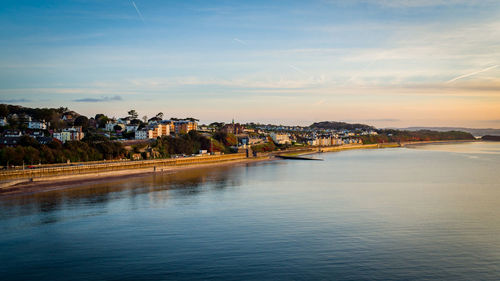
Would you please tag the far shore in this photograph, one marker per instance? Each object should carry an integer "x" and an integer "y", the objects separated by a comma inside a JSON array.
[{"x": 50, "y": 183}]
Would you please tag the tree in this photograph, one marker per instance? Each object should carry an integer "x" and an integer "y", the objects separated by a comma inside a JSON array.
[
  {"x": 26, "y": 140},
  {"x": 82, "y": 121},
  {"x": 159, "y": 115},
  {"x": 4, "y": 110},
  {"x": 145, "y": 119},
  {"x": 62, "y": 110},
  {"x": 101, "y": 120},
  {"x": 117, "y": 128},
  {"x": 133, "y": 114}
]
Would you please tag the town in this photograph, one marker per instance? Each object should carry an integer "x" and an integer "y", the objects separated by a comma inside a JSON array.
[{"x": 59, "y": 135}]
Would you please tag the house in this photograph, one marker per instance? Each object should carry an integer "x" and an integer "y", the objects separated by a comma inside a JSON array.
[
  {"x": 125, "y": 120},
  {"x": 233, "y": 128},
  {"x": 153, "y": 132},
  {"x": 131, "y": 128},
  {"x": 37, "y": 125},
  {"x": 280, "y": 138},
  {"x": 37, "y": 134},
  {"x": 12, "y": 133},
  {"x": 69, "y": 134},
  {"x": 68, "y": 116}
]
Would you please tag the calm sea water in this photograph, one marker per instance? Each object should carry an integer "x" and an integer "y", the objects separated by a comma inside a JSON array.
[{"x": 425, "y": 213}]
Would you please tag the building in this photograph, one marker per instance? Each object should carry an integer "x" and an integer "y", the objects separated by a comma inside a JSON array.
[
  {"x": 142, "y": 134},
  {"x": 37, "y": 125},
  {"x": 37, "y": 134},
  {"x": 110, "y": 126},
  {"x": 233, "y": 128},
  {"x": 68, "y": 116},
  {"x": 3, "y": 122},
  {"x": 280, "y": 138},
  {"x": 12, "y": 133},
  {"x": 185, "y": 126},
  {"x": 69, "y": 134},
  {"x": 153, "y": 132},
  {"x": 131, "y": 128},
  {"x": 170, "y": 123}
]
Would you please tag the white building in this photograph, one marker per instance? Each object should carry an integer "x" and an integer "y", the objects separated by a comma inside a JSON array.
[
  {"x": 153, "y": 132},
  {"x": 38, "y": 125},
  {"x": 110, "y": 126},
  {"x": 280, "y": 138},
  {"x": 142, "y": 134},
  {"x": 131, "y": 128}
]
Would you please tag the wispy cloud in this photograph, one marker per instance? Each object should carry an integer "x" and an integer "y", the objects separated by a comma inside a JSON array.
[
  {"x": 240, "y": 41},
  {"x": 382, "y": 120},
  {"x": 413, "y": 3},
  {"x": 138, "y": 12},
  {"x": 471, "y": 74},
  {"x": 14, "y": 100},
  {"x": 101, "y": 99}
]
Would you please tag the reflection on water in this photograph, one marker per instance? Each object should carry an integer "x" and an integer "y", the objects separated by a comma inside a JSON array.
[
  {"x": 463, "y": 147},
  {"x": 429, "y": 213},
  {"x": 156, "y": 187}
]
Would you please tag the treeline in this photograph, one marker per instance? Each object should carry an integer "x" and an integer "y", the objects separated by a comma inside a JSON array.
[
  {"x": 264, "y": 147},
  {"x": 339, "y": 126},
  {"x": 30, "y": 152},
  {"x": 192, "y": 143},
  {"x": 491, "y": 138},
  {"x": 390, "y": 135}
]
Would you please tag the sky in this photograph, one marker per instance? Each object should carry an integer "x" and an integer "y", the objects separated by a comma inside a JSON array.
[{"x": 388, "y": 63}]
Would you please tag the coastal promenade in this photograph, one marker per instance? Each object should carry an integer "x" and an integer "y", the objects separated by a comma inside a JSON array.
[{"x": 103, "y": 167}]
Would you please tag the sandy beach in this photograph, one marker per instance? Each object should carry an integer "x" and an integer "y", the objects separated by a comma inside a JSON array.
[{"x": 26, "y": 186}]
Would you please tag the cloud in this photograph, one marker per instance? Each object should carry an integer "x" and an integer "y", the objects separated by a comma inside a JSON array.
[
  {"x": 14, "y": 100},
  {"x": 414, "y": 3},
  {"x": 101, "y": 99},
  {"x": 384, "y": 120}
]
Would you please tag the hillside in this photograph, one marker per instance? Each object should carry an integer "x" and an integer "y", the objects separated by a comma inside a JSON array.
[
  {"x": 474, "y": 131},
  {"x": 334, "y": 125}
]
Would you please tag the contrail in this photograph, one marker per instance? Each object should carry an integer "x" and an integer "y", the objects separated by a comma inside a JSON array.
[
  {"x": 297, "y": 69},
  {"x": 240, "y": 41},
  {"x": 471, "y": 74},
  {"x": 138, "y": 12}
]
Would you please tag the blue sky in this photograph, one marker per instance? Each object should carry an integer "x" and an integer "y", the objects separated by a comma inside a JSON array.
[{"x": 382, "y": 62}]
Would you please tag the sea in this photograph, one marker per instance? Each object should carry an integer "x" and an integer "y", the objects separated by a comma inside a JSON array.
[{"x": 426, "y": 212}]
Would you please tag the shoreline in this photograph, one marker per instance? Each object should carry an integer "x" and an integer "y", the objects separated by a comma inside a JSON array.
[{"x": 26, "y": 186}]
